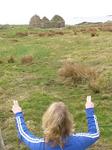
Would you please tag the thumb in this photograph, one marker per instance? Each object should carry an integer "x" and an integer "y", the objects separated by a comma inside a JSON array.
[
  {"x": 88, "y": 98},
  {"x": 15, "y": 102}
]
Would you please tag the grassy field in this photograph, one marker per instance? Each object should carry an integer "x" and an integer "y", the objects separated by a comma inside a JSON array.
[{"x": 37, "y": 84}]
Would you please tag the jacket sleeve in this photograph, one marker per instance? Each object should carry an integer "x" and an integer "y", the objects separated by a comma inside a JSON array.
[
  {"x": 24, "y": 134},
  {"x": 87, "y": 139}
]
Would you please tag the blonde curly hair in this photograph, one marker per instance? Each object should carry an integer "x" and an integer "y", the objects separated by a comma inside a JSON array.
[{"x": 57, "y": 123}]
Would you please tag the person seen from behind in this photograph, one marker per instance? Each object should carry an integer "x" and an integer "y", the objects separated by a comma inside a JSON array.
[{"x": 57, "y": 124}]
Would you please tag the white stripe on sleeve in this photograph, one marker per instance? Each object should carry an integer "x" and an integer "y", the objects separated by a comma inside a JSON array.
[
  {"x": 90, "y": 135},
  {"x": 26, "y": 136}
]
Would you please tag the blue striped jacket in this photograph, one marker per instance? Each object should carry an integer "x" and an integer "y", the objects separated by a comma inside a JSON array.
[{"x": 78, "y": 141}]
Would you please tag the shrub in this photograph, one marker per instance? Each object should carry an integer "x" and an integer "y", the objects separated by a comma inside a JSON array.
[
  {"x": 74, "y": 32},
  {"x": 1, "y": 61},
  {"x": 106, "y": 83},
  {"x": 106, "y": 96},
  {"x": 11, "y": 59},
  {"x": 101, "y": 83},
  {"x": 94, "y": 86},
  {"x": 83, "y": 30},
  {"x": 21, "y": 34},
  {"x": 92, "y": 29},
  {"x": 42, "y": 34},
  {"x": 50, "y": 34},
  {"x": 59, "y": 32},
  {"x": 106, "y": 28},
  {"x": 72, "y": 73},
  {"x": 26, "y": 59},
  {"x": 77, "y": 72},
  {"x": 14, "y": 40},
  {"x": 93, "y": 34}
]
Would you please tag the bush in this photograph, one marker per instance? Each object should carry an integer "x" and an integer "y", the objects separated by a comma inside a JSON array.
[
  {"x": 42, "y": 34},
  {"x": 26, "y": 59},
  {"x": 59, "y": 33},
  {"x": 94, "y": 86},
  {"x": 107, "y": 28},
  {"x": 77, "y": 72},
  {"x": 1, "y": 61},
  {"x": 21, "y": 34},
  {"x": 11, "y": 59},
  {"x": 74, "y": 32},
  {"x": 106, "y": 96},
  {"x": 102, "y": 83},
  {"x": 93, "y": 34}
]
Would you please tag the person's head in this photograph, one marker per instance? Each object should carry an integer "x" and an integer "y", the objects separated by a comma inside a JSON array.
[{"x": 57, "y": 123}]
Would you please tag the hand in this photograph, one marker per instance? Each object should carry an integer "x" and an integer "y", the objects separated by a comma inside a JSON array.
[
  {"x": 16, "y": 108},
  {"x": 89, "y": 103}
]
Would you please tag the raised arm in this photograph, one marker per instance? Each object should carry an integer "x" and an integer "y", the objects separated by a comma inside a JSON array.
[
  {"x": 23, "y": 133},
  {"x": 87, "y": 139}
]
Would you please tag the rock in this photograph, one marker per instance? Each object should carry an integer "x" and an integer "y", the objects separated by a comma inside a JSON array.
[
  {"x": 57, "y": 22},
  {"x": 35, "y": 21},
  {"x": 45, "y": 23}
]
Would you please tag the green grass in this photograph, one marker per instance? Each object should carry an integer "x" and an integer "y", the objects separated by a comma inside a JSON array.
[{"x": 37, "y": 85}]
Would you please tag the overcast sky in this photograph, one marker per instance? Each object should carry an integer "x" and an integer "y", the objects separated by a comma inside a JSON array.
[{"x": 20, "y": 11}]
